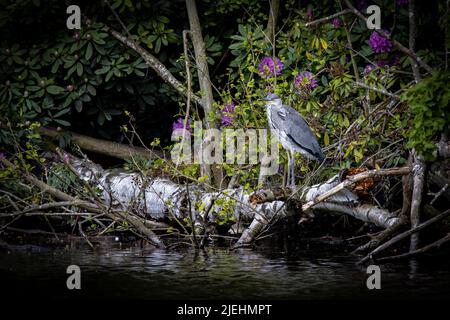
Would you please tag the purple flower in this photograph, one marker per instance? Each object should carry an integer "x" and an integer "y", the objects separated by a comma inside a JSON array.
[
  {"x": 347, "y": 58},
  {"x": 228, "y": 114},
  {"x": 368, "y": 68},
  {"x": 401, "y": 2},
  {"x": 2, "y": 155},
  {"x": 382, "y": 63},
  {"x": 336, "y": 22},
  {"x": 378, "y": 64},
  {"x": 379, "y": 44},
  {"x": 309, "y": 13},
  {"x": 268, "y": 68},
  {"x": 229, "y": 107},
  {"x": 305, "y": 79},
  {"x": 395, "y": 59},
  {"x": 66, "y": 157},
  {"x": 179, "y": 125}
]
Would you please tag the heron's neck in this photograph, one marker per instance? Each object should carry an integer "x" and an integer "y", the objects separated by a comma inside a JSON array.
[{"x": 276, "y": 105}]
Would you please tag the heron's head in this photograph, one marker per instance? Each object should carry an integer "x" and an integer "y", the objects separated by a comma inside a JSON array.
[{"x": 272, "y": 99}]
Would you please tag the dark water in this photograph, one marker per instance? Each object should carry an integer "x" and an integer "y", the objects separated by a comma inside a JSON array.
[{"x": 218, "y": 274}]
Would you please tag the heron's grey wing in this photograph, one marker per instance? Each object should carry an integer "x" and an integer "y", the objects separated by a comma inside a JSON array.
[{"x": 297, "y": 130}]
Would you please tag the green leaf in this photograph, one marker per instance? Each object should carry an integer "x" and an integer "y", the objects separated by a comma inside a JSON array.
[
  {"x": 326, "y": 139},
  {"x": 85, "y": 98},
  {"x": 71, "y": 70},
  {"x": 101, "y": 118},
  {"x": 99, "y": 49},
  {"x": 142, "y": 65},
  {"x": 79, "y": 69},
  {"x": 324, "y": 43},
  {"x": 55, "y": 66},
  {"x": 102, "y": 70},
  {"x": 139, "y": 73},
  {"x": 99, "y": 41},
  {"x": 108, "y": 76},
  {"x": 54, "y": 89},
  {"x": 91, "y": 90},
  {"x": 89, "y": 51},
  {"x": 62, "y": 122},
  {"x": 60, "y": 113},
  {"x": 33, "y": 88},
  {"x": 79, "y": 105},
  {"x": 358, "y": 155},
  {"x": 158, "y": 45},
  {"x": 236, "y": 45}
]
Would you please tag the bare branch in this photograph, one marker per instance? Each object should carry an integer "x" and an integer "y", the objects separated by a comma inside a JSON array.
[
  {"x": 326, "y": 19},
  {"x": 156, "y": 65},
  {"x": 382, "y": 91},
  {"x": 424, "y": 249},
  {"x": 405, "y": 234},
  {"x": 112, "y": 149},
  {"x": 412, "y": 38},
  {"x": 351, "y": 180}
]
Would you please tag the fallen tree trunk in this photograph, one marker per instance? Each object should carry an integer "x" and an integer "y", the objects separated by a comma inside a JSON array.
[
  {"x": 161, "y": 198},
  {"x": 138, "y": 200},
  {"x": 98, "y": 208}
]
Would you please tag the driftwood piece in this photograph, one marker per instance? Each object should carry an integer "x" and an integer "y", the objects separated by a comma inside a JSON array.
[
  {"x": 404, "y": 235},
  {"x": 429, "y": 247}
]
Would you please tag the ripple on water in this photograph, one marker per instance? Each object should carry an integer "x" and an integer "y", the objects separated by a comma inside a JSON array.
[{"x": 219, "y": 274}]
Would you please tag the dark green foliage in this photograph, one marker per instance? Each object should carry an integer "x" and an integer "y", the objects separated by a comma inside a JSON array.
[{"x": 429, "y": 110}]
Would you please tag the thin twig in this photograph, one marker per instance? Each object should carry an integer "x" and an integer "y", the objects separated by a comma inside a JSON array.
[
  {"x": 326, "y": 19},
  {"x": 382, "y": 91},
  {"x": 424, "y": 249}
]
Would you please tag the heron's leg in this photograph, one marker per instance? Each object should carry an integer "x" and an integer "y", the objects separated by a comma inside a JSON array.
[
  {"x": 288, "y": 178},
  {"x": 292, "y": 169}
]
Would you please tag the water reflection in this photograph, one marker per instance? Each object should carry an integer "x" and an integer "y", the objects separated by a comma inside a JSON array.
[{"x": 216, "y": 273}]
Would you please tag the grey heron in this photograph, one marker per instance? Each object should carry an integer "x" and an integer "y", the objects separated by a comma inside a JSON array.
[{"x": 293, "y": 132}]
